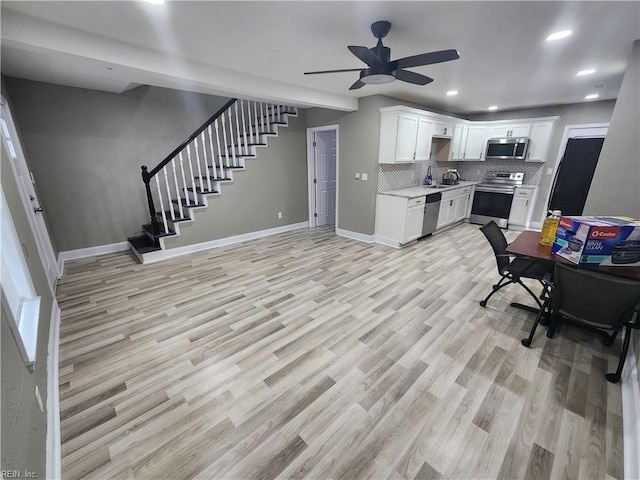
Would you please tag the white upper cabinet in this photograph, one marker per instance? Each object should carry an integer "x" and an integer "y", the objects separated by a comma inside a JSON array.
[
  {"x": 476, "y": 144},
  {"x": 423, "y": 139},
  {"x": 458, "y": 142},
  {"x": 517, "y": 130},
  {"x": 404, "y": 137},
  {"x": 443, "y": 129},
  {"x": 409, "y": 135},
  {"x": 539, "y": 145}
]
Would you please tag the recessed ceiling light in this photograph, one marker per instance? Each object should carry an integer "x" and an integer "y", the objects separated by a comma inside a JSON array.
[
  {"x": 452, "y": 92},
  {"x": 585, "y": 72},
  {"x": 493, "y": 107},
  {"x": 592, "y": 96},
  {"x": 559, "y": 35}
]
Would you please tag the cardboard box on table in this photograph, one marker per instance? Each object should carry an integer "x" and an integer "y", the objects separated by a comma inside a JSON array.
[{"x": 598, "y": 240}]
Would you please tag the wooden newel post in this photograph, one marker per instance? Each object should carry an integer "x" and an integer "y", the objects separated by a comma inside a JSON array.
[{"x": 146, "y": 178}]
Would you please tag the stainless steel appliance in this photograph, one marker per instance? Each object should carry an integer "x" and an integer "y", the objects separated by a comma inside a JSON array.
[
  {"x": 492, "y": 199},
  {"x": 508, "y": 148},
  {"x": 431, "y": 208}
]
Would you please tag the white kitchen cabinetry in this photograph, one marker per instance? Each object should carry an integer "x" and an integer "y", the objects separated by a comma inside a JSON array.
[
  {"x": 443, "y": 129},
  {"x": 522, "y": 207},
  {"x": 405, "y": 137},
  {"x": 517, "y": 130},
  {"x": 476, "y": 144},
  {"x": 454, "y": 206},
  {"x": 399, "y": 219},
  {"x": 539, "y": 145},
  {"x": 458, "y": 142}
]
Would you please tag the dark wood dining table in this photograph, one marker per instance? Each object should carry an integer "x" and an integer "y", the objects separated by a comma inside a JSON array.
[{"x": 527, "y": 245}]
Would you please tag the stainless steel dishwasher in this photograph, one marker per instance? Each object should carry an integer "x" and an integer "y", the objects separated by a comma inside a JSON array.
[{"x": 431, "y": 208}]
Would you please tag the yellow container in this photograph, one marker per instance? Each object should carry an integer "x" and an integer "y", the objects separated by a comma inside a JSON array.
[{"x": 549, "y": 228}]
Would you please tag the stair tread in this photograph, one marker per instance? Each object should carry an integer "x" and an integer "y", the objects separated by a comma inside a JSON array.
[
  {"x": 149, "y": 228},
  {"x": 185, "y": 204},
  {"x": 143, "y": 244},
  {"x": 203, "y": 191},
  {"x": 177, "y": 215},
  {"x": 217, "y": 179}
]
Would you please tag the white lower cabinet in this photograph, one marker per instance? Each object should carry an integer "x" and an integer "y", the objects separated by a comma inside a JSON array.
[
  {"x": 399, "y": 219},
  {"x": 454, "y": 206},
  {"x": 522, "y": 207}
]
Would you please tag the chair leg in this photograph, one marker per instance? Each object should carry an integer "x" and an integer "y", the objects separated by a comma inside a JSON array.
[
  {"x": 494, "y": 289},
  {"x": 533, "y": 295},
  {"x": 615, "y": 377},
  {"x": 527, "y": 341},
  {"x": 553, "y": 324}
]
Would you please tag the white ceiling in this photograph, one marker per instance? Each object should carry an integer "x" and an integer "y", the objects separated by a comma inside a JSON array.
[{"x": 261, "y": 49}]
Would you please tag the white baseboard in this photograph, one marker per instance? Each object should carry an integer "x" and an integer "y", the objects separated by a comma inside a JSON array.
[
  {"x": 631, "y": 414},
  {"x": 362, "y": 237},
  {"x": 159, "y": 255},
  {"x": 89, "y": 252},
  {"x": 386, "y": 241},
  {"x": 54, "y": 452}
]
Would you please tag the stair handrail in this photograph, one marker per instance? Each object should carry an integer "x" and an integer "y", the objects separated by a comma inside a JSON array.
[{"x": 148, "y": 175}]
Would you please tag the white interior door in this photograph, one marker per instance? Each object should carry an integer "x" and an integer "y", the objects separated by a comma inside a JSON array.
[
  {"x": 325, "y": 174},
  {"x": 26, "y": 182}
]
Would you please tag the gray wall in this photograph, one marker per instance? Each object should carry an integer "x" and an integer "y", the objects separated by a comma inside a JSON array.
[
  {"x": 615, "y": 188},
  {"x": 24, "y": 426},
  {"x": 359, "y": 134},
  {"x": 86, "y": 148},
  {"x": 275, "y": 181}
]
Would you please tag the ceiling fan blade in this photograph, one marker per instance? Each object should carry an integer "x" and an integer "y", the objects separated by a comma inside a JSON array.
[
  {"x": 366, "y": 55},
  {"x": 358, "y": 84},
  {"x": 334, "y": 71},
  {"x": 426, "y": 59},
  {"x": 411, "y": 77}
]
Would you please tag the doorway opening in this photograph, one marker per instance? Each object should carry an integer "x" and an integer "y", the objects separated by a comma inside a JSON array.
[
  {"x": 26, "y": 185},
  {"x": 575, "y": 137},
  {"x": 322, "y": 163}
]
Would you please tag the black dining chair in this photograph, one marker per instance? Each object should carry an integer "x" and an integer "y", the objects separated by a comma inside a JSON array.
[
  {"x": 598, "y": 302},
  {"x": 511, "y": 269}
]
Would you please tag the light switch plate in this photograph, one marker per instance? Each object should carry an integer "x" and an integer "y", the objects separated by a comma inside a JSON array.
[
  {"x": 364, "y": 177},
  {"x": 357, "y": 175}
]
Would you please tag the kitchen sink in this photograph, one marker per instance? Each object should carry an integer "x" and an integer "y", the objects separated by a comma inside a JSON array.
[{"x": 436, "y": 186}]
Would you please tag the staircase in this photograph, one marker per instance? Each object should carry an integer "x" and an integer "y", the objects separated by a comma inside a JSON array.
[{"x": 181, "y": 184}]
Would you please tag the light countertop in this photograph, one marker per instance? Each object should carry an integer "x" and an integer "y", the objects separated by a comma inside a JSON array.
[{"x": 421, "y": 190}]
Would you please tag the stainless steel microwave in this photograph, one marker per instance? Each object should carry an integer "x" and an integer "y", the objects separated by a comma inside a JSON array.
[{"x": 508, "y": 148}]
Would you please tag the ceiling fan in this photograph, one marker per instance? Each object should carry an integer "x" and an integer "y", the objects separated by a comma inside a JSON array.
[{"x": 382, "y": 70}]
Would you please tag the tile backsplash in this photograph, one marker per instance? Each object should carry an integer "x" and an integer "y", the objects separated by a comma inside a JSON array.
[{"x": 397, "y": 176}]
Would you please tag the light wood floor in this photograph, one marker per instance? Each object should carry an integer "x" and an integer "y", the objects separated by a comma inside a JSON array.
[{"x": 307, "y": 355}]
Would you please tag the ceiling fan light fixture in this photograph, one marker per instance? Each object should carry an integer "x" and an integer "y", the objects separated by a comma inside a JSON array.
[{"x": 377, "y": 78}]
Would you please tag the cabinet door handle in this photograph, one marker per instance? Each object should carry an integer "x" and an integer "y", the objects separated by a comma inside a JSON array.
[
  {"x": 450, "y": 202},
  {"x": 526, "y": 203}
]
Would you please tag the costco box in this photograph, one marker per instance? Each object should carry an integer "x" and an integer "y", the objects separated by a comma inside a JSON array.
[{"x": 598, "y": 240}]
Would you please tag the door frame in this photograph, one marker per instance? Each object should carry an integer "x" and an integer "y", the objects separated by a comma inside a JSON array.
[
  {"x": 311, "y": 166},
  {"x": 587, "y": 130},
  {"x": 42, "y": 238}
]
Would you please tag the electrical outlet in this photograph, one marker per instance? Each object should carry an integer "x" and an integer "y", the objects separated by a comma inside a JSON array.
[
  {"x": 39, "y": 399},
  {"x": 279, "y": 214},
  {"x": 357, "y": 176},
  {"x": 364, "y": 177}
]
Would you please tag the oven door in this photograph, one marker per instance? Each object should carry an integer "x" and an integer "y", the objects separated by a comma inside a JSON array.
[{"x": 491, "y": 205}]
